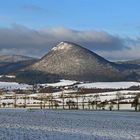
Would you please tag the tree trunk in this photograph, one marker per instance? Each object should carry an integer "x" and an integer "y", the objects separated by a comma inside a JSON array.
[
  {"x": 83, "y": 104},
  {"x": 136, "y": 107},
  {"x": 96, "y": 105},
  {"x": 49, "y": 105},
  {"x": 92, "y": 107},
  {"x": 63, "y": 103},
  {"x": 44, "y": 104},
  {"x": 77, "y": 104},
  {"x": 41, "y": 105},
  {"x": 25, "y": 101},
  {"x": 15, "y": 101},
  {"x": 118, "y": 105}
]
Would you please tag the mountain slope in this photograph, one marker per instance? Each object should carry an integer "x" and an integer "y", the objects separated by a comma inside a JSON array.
[{"x": 71, "y": 61}]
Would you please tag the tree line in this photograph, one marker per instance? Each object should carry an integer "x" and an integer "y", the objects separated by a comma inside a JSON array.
[{"x": 75, "y": 100}]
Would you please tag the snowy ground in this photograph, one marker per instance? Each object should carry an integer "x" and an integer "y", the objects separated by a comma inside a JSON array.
[
  {"x": 115, "y": 85},
  {"x": 61, "y": 83},
  {"x": 22, "y": 124},
  {"x": 14, "y": 85}
]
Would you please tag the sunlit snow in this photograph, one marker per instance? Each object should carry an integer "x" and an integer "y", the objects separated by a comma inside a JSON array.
[{"x": 22, "y": 124}]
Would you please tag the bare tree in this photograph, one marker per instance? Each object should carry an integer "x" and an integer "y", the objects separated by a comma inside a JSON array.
[
  {"x": 77, "y": 95},
  {"x": 118, "y": 98},
  {"x": 62, "y": 96},
  {"x": 83, "y": 101},
  {"x": 45, "y": 99},
  {"x": 92, "y": 104},
  {"x": 97, "y": 99},
  {"x": 25, "y": 98},
  {"x": 92, "y": 101},
  {"x": 51, "y": 99},
  {"x": 56, "y": 104},
  {"x": 136, "y": 102},
  {"x": 83, "y": 98},
  {"x": 41, "y": 103},
  {"x": 69, "y": 103},
  {"x": 40, "y": 97},
  {"x": 89, "y": 103},
  {"x": 15, "y": 100},
  {"x": 110, "y": 106},
  {"x": 48, "y": 99}
]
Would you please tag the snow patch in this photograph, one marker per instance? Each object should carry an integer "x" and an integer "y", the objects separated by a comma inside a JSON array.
[
  {"x": 62, "y": 46},
  {"x": 14, "y": 85},
  {"x": 61, "y": 83}
]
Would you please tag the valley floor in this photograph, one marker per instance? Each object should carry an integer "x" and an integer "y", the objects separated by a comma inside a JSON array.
[{"x": 36, "y": 124}]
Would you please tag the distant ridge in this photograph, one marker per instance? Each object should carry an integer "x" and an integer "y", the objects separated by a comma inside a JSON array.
[
  {"x": 13, "y": 63},
  {"x": 14, "y": 58},
  {"x": 134, "y": 62}
]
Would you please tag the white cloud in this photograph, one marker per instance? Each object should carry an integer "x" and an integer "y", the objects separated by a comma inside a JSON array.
[{"x": 22, "y": 40}]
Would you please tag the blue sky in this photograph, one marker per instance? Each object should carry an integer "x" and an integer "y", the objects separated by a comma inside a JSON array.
[
  {"x": 112, "y": 15},
  {"x": 117, "y": 18}
]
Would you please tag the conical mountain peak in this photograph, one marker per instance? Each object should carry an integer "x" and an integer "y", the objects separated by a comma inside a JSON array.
[{"x": 71, "y": 61}]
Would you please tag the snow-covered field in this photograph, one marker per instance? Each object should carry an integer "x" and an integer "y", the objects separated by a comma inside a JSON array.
[
  {"x": 115, "y": 85},
  {"x": 25, "y": 124},
  {"x": 62, "y": 83},
  {"x": 14, "y": 85}
]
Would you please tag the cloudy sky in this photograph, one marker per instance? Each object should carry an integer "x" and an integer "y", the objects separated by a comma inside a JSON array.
[{"x": 110, "y": 28}]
